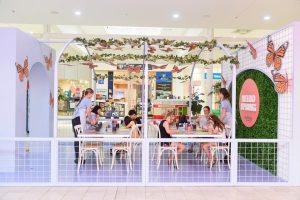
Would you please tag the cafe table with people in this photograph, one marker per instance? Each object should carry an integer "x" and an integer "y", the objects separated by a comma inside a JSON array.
[
  {"x": 130, "y": 127},
  {"x": 169, "y": 128}
]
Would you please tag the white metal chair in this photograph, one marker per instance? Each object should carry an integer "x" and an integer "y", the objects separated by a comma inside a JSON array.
[
  {"x": 87, "y": 147},
  {"x": 161, "y": 149},
  {"x": 201, "y": 152},
  {"x": 224, "y": 147},
  {"x": 127, "y": 148},
  {"x": 153, "y": 133},
  {"x": 136, "y": 134}
]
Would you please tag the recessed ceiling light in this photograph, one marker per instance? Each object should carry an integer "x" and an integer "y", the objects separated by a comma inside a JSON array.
[
  {"x": 206, "y": 16},
  {"x": 54, "y": 12},
  {"x": 31, "y": 32},
  {"x": 175, "y": 16},
  {"x": 267, "y": 18},
  {"x": 78, "y": 13}
]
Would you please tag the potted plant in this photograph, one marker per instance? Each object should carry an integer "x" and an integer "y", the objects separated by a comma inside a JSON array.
[
  {"x": 62, "y": 100},
  {"x": 215, "y": 89},
  {"x": 197, "y": 103}
]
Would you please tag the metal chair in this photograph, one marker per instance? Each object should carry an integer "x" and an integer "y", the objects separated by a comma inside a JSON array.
[{"x": 87, "y": 147}]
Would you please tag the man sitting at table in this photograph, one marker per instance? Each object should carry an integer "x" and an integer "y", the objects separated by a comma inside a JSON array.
[
  {"x": 182, "y": 118},
  {"x": 131, "y": 119}
]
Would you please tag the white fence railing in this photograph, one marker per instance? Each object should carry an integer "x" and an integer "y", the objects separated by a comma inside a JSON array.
[{"x": 50, "y": 161}]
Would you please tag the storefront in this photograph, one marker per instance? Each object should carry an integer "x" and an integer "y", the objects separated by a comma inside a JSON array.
[{"x": 260, "y": 146}]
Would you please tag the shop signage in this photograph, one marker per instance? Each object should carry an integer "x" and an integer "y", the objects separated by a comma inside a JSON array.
[
  {"x": 249, "y": 103},
  {"x": 163, "y": 85},
  {"x": 110, "y": 85},
  {"x": 101, "y": 81},
  {"x": 216, "y": 76}
]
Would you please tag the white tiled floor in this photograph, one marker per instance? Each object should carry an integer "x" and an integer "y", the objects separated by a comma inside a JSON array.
[{"x": 151, "y": 193}]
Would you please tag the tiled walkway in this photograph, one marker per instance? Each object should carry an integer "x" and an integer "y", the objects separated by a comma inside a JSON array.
[{"x": 151, "y": 193}]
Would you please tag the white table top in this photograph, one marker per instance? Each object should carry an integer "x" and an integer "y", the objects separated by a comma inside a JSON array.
[
  {"x": 195, "y": 134},
  {"x": 121, "y": 133}
]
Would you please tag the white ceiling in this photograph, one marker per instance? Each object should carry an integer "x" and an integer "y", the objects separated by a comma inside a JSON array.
[{"x": 155, "y": 13}]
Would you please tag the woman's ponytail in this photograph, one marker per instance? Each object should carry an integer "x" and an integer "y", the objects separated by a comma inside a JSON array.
[{"x": 82, "y": 96}]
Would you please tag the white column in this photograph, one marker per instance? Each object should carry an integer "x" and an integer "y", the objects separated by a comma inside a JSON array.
[
  {"x": 145, "y": 93},
  {"x": 209, "y": 77},
  {"x": 145, "y": 143}
]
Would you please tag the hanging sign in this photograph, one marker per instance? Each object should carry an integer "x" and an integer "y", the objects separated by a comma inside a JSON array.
[
  {"x": 163, "y": 85},
  {"x": 249, "y": 103},
  {"x": 110, "y": 85}
]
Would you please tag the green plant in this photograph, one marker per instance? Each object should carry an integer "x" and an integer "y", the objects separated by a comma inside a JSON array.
[
  {"x": 61, "y": 96},
  {"x": 197, "y": 103},
  {"x": 215, "y": 88},
  {"x": 263, "y": 154}
]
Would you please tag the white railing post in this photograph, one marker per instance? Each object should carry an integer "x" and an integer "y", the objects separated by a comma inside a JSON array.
[
  {"x": 234, "y": 149},
  {"x": 145, "y": 147}
]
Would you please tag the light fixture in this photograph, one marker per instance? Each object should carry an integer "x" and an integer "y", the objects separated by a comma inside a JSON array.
[
  {"x": 267, "y": 18},
  {"x": 54, "y": 12},
  {"x": 78, "y": 13},
  {"x": 176, "y": 16}
]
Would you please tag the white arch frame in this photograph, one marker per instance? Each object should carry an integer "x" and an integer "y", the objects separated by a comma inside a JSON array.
[
  {"x": 67, "y": 44},
  {"x": 145, "y": 104}
]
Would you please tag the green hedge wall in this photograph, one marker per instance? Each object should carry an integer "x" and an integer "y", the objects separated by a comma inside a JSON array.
[{"x": 263, "y": 154}]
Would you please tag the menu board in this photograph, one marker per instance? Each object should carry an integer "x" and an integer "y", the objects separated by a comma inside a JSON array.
[{"x": 163, "y": 85}]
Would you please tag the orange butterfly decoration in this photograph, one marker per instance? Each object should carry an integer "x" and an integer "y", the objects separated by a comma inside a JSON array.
[
  {"x": 177, "y": 70},
  {"x": 48, "y": 61},
  {"x": 51, "y": 100},
  {"x": 151, "y": 49},
  {"x": 192, "y": 46},
  {"x": 90, "y": 64},
  {"x": 252, "y": 50},
  {"x": 159, "y": 67},
  {"x": 167, "y": 50},
  {"x": 136, "y": 69},
  {"x": 274, "y": 57},
  {"x": 281, "y": 82},
  {"x": 23, "y": 71}
]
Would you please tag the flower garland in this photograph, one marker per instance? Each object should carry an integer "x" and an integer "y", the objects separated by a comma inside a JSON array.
[
  {"x": 136, "y": 76},
  {"x": 162, "y": 44},
  {"x": 107, "y": 57}
]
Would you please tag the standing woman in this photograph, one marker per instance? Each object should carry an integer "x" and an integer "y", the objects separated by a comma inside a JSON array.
[
  {"x": 82, "y": 110},
  {"x": 225, "y": 107}
]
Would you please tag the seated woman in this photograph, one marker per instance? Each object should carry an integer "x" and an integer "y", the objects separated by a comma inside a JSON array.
[
  {"x": 166, "y": 132},
  {"x": 203, "y": 120},
  {"x": 216, "y": 127},
  {"x": 95, "y": 117}
]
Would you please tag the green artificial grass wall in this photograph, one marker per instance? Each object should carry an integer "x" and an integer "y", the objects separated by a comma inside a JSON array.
[{"x": 263, "y": 154}]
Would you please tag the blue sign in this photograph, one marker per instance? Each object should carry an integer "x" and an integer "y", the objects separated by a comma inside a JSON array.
[
  {"x": 216, "y": 76},
  {"x": 163, "y": 77},
  {"x": 100, "y": 81}
]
